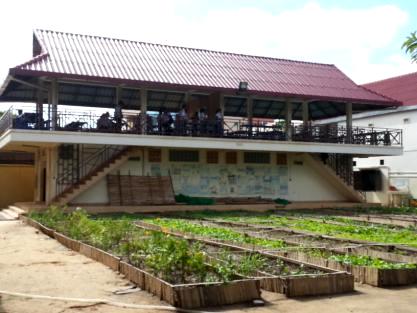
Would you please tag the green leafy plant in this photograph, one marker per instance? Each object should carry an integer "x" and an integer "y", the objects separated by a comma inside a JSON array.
[{"x": 220, "y": 233}]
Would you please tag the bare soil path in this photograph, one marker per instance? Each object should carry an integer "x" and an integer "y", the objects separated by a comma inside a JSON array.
[{"x": 32, "y": 263}]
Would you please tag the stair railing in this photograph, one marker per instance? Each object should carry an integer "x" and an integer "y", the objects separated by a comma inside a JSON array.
[{"x": 84, "y": 166}]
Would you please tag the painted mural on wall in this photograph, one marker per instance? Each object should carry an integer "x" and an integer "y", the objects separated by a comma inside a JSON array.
[{"x": 227, "y": 180}]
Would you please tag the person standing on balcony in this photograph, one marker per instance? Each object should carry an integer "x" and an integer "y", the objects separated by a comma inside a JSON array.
[
  {"x": 202, "y": 119},
  {"x": 219, "y": 122},
  {"x": 118, "y": 115},
  {"x": 181, "y": 121}
]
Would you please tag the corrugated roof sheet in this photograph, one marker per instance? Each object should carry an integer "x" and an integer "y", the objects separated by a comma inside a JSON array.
[
  {"x": 402, "y": 88},
  {"x": 66, "y": 54}
]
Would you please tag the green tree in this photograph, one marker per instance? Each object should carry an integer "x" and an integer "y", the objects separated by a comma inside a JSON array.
[{"x": 410, "y": 46}]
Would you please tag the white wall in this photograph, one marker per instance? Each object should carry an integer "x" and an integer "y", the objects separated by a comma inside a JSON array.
[
  {"x": 296, "y": 182},
  {"x": 97, "y": 194},
  {"x": 402, "y": 169},
  {"x": 305, "y": 184}
]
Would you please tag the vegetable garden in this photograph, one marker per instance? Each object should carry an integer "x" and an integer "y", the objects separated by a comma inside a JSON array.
[{"x": 198, "y": 259}]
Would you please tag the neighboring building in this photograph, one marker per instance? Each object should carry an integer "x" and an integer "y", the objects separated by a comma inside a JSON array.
[
  {"x": 400, "y": 171},
  {"x": 82, "y": 158}
]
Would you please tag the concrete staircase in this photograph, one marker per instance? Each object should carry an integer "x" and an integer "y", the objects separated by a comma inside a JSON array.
[
  {"x": 11, "y": 213},
  {"x": 92, "y": 178},
  {"x": 330, "y": 175}
]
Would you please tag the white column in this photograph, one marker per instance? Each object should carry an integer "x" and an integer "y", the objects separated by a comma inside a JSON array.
[
  {"x": 305, "y": 112},
  {"x": 288, "y": 119},
  {"x": 349, "y": 110},
  {"x": 54, "y": 103},
  {"x": 143, "y": 108}
]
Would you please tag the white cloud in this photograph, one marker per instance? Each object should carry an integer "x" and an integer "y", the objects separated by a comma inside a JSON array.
[{"x": 349, "y": 38}]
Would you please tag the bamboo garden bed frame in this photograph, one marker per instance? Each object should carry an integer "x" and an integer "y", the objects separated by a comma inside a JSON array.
[
  {"x": 361, "y": 247},
  {"x": 363, "y": 274},
  {"x": 386, "y": 220},
  {"x": 331, "y": 282},
  {"x": 187, "y": 296}
]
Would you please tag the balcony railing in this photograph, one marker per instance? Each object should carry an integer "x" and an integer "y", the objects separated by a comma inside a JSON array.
[{"x": 227, "y": 128}]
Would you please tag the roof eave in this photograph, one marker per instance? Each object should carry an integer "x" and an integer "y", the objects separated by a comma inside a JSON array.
[{"x": 184, "y": 87}]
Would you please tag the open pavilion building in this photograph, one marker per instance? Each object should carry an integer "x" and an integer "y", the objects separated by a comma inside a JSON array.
[{"x": 194, "y": 122}]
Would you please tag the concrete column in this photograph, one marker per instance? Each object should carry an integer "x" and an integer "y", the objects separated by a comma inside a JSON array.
[
  {"x": 186, "y": 98},
  {"x": 51, "y": 173},
  {"x": 249, "y": 109},
  {"x": 288, "y": 119},
  {"x": 118, "y": 94},
  {"x": 38, "y": 175},
  {"x": 39, "y": 105},
  {"x": 221, "y": 103},
  {"x": 143, "y": 108},
  {"x": 349, "y": 123},
  {"x": 54, "y": 103},
  {"x": 305, "y": 112}
]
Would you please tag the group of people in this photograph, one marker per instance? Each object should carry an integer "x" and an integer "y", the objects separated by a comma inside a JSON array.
[
  {"x": 105, "y": 122},
  {"x": 199, "y": 122},
  {"x": 166, "y": 124}
]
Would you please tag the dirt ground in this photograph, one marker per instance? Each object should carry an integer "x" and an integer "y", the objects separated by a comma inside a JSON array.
[{"x": 32, "y": 263}]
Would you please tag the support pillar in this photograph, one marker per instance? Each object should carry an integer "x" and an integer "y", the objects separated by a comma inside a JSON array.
[
  {"x": 349, "y": 123},
  {"x": 118, "y": 94},
  {"x": 39, "y": 106},
  {"x": 51, "y": 173},
  {"x": 305, "y": 112},
  {"x": 288, "y": 120},
  {"x": 54, "y": 103},
  {"x": 221, "y": 103},
  {"x": 249, "y": 111},
  {"x": 143, "y": 109}
]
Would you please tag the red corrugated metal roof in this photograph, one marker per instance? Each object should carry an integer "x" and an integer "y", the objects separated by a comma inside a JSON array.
[
  {"x": 91, "y": 57},
  {"x": 402, "y": 88}
]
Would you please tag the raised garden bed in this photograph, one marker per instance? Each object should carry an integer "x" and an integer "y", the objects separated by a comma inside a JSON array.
[
  {"x": 375, "y": 276},
  {"x": 391, "y": 252},
  {"x": 302, "y": 279},
  {"x": 377, "y": 272},
  {"x": 237, "y": 289}
]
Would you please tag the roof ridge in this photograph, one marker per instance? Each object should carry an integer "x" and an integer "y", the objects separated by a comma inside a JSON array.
[
  {"x": 389, "y": 78},
  {"x": 189, "y": 48},
  {"x": 33, "y": 60}
]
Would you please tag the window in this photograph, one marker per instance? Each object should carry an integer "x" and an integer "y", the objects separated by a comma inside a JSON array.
[
  {"x": 381, "y": 162},
  {"x": 370, "y": 125},
  {"x": 155, "y": 156},
  {"x": 231, "y": 157},
  {"x": 212, "y": 157},
  {"x": 354, "y": 163},
  {"x": 406, "y": 121},
  {"x": 257, "y": 157},
  {"x": 281, "y": 159},
  {"x": 183, "y": 156}
]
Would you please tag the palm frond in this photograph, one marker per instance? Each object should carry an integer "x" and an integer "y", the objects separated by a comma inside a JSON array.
[{"x": 410, "y": 46}]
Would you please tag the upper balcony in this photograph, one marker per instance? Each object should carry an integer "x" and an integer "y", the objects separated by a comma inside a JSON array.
[{"x": 173, "y": 127}]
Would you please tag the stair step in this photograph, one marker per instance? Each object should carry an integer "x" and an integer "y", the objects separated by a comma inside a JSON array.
[
  {"x": 7, "y": 215},
  {"x": 16, "y": 209}
]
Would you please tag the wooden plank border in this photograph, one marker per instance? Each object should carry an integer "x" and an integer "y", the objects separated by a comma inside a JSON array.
[{"x": 182, "y": 295}]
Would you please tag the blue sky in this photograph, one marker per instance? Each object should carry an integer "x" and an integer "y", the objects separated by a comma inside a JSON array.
[{"x": 363, "y": 38}]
